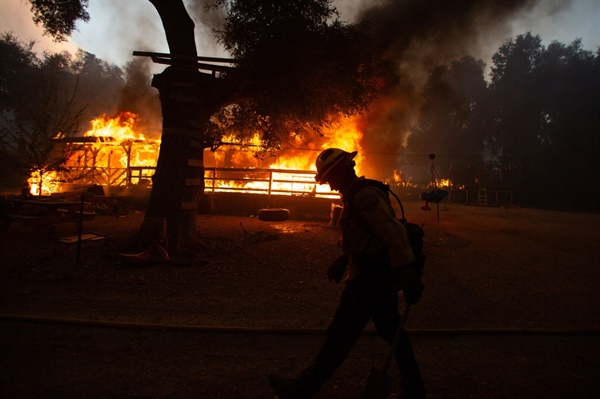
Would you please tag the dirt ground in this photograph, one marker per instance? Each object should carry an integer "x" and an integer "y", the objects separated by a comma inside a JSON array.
[{"x": 510, "y": 309}]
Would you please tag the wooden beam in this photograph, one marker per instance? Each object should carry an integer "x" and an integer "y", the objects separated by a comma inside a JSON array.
[
  {"x": 206, "y": 67},
  {"x": 199, "y": 58},
  {"x": 167, "y": 59}
]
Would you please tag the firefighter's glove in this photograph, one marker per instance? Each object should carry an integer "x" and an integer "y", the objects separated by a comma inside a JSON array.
[
  {"x": 413, "y": 291},
  {"x": 337, "y": 269}
]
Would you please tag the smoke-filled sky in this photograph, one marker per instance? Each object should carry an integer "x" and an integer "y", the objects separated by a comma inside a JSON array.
[{"x": 118, "y": 27}]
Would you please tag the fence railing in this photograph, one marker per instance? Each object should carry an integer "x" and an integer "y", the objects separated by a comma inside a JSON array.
[
  {"x": 265, "y": 181},
  {"x": 219, "y": 180}
]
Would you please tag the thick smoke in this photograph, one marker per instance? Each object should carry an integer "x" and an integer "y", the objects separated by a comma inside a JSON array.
[
  {"x": 138, "y": 97},
  {"x": 417, "y": 35},
  {"x": 207, "y": 18}
]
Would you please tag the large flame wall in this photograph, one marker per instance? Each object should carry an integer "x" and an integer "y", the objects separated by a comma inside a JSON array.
[{"x": 114, "y": 153}]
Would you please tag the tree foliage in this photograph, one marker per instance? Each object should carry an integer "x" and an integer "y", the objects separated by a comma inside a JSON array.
[
  {"x": 545, "y": 129},
  {"x": 59, "y": 17},
  {"x": 514, "y": 135},
  {"x": 533, "y": 129},
  {"x": 569, "y": 77},
  {"x": 300, "y": 66},
  {"x": 17, "y": 60}
]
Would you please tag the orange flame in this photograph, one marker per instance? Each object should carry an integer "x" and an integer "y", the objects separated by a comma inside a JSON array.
[
  {"x": 121, "y": 128},
  {"x": 300, "y": 156},
  {"x": 123, "y": 146},
  {"x": 120, "y": 146}
]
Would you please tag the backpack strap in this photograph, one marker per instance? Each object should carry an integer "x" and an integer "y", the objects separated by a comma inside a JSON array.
[
  {"x": 349, "y": 197},
  {"x": 349, "y": 200}
]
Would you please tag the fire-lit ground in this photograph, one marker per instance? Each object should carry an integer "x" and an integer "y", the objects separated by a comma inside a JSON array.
[{"x": 510, "y": 310}]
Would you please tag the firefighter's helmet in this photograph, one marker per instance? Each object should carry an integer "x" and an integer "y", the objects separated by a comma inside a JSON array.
[{"x": 328, "y": 160}]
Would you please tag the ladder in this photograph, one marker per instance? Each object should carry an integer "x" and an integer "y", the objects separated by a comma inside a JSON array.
[{"x": 483, "y": 197}]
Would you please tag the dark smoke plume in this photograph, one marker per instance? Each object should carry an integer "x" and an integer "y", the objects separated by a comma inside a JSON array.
[
  {"x": 418, "y": 35},
  {"x": 136, "y": 96}
]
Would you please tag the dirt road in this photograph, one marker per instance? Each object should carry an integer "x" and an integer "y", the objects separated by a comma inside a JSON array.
[{"x": 510, "y": 310}]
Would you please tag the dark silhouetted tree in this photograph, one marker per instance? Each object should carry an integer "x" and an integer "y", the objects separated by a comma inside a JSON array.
[
  {"x": 17, "y": 60},
  {"x": 569, "y": 78},
  {"x": 516, "y": 112},
  {"x": 543, "y": 121},
  {"x": 59, "y": 17}
]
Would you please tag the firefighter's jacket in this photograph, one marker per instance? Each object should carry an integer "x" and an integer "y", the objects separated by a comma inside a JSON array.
[{"x": 369, "y": 226}]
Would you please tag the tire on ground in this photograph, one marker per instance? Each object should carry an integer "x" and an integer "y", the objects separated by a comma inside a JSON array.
[{"x": 273, "y": 214}]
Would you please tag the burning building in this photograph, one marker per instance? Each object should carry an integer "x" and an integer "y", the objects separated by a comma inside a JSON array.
[{"x": 113, "y": 154}]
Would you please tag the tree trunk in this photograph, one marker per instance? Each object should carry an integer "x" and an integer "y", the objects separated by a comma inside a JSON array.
[{"x": 188, "y": 99}]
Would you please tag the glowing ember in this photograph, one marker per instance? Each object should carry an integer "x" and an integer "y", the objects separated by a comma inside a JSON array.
[{"x": 444, "y": 183}]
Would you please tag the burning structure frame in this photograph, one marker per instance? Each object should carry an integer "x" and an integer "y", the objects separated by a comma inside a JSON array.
[{"x": 103, "y": 161}]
